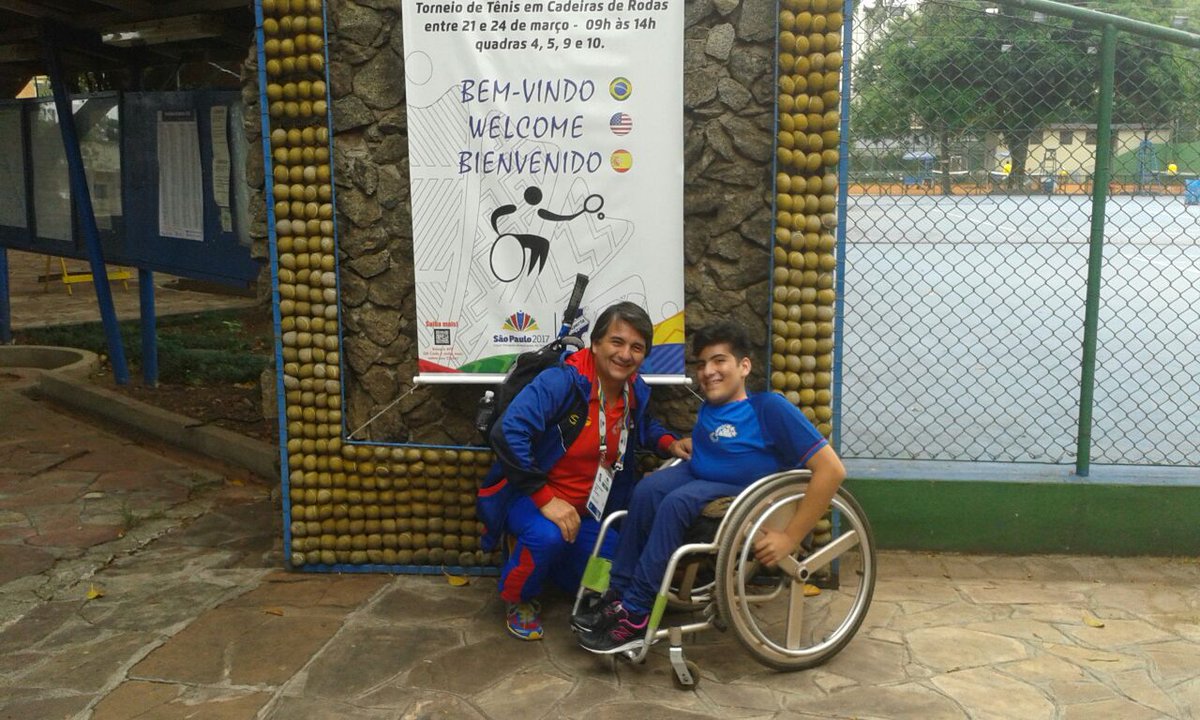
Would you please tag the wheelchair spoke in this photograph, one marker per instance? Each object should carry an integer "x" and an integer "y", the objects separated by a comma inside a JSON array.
[
  {"x": 826, "y": 554},
  {"x": 795, "y": 616}
]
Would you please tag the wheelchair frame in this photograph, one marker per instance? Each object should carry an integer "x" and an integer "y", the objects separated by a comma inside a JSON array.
[{"x": 726, "y": 602}]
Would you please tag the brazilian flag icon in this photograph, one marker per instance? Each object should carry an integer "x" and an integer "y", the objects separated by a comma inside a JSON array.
[
  {"x": 622, "y": 161},
  {"x": 620, "y": 88}
]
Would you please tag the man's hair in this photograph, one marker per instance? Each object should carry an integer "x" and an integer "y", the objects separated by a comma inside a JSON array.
[
  {"x": 722, "y": 332},
  {"x": 631, "y": 313}
]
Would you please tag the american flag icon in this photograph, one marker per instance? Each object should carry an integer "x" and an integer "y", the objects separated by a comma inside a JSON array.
[{"x": 620, "y": 123}]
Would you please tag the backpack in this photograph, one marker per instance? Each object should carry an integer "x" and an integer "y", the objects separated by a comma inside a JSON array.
[{"x": 529, "y": 364}]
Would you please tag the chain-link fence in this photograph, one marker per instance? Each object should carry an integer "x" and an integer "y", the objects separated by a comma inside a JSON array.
[{"x": 974, "y": 137}]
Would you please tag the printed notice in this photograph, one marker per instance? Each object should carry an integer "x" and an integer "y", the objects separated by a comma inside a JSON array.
[
  {"x": 180, "y": 179},
  {"x": 546, "y": 140},
  {"x": 218, "y": 125}
]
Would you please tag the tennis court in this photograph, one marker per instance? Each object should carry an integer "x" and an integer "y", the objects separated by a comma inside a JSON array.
[{"x": 964, "y": 329}]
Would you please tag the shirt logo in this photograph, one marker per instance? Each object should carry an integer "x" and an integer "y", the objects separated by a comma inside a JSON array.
[{"x": 724, "y": 431}]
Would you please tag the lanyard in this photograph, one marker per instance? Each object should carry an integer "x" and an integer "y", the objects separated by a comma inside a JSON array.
[{"x": 602, "y": 421}]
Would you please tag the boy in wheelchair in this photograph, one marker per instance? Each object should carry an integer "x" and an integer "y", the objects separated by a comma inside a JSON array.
[{"x": 738, "y": 438}]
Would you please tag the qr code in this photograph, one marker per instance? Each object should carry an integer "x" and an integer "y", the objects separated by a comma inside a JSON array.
[{"x": 441, "y": 336}]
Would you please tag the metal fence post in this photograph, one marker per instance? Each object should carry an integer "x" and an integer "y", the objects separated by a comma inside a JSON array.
[{"x": 1100, "y": 179}]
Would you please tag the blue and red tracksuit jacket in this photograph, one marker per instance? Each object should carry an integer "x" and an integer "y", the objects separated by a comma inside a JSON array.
[{"x": 538, "y": 426}]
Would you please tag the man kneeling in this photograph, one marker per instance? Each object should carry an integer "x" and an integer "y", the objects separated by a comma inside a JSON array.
[{"x": 738, "y": 439}]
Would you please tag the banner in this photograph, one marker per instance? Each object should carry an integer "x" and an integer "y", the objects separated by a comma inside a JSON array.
[{"x": 545, "y": 140}]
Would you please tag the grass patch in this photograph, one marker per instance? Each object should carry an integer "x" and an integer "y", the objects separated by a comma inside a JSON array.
[{"x": 195, "y": 349}]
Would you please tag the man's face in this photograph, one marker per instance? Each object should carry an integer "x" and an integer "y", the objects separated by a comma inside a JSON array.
[
  {"x": 619, "y": 353},
  {"x": 722, "y": 376}
]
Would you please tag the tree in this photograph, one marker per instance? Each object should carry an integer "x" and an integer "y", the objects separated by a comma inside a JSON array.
[{"x": 957, "y": 67}]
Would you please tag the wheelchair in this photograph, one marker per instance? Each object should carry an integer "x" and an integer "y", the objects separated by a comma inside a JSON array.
[{"x": 791, "y": 617}]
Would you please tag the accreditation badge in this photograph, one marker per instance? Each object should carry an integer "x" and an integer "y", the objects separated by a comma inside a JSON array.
[{"x": 600, "y": 489}]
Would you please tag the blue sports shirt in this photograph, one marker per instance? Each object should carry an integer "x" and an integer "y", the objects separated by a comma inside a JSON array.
[{"x": 740, "y": 442}]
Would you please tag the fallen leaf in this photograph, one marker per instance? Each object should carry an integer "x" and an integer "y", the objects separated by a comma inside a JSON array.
[
  {"x": 457, "y": 580},
  {"x": 274, "y": 611},
  {"x": 811, "y": 590},
  {"x": 94, "y": 592},
  {"x": 1092, "y": 621}
]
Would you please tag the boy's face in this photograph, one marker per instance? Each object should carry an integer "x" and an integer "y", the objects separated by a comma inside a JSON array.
[{"x": 721, "y": 375}]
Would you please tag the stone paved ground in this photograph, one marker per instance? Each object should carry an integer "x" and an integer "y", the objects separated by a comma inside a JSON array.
[{"x": 138, "y": 584}]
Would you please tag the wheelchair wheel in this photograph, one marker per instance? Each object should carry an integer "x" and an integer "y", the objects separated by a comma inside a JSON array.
[{"x": 783, "y": 623}]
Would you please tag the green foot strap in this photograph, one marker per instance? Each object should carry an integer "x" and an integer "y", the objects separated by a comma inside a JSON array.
[{"x": 595, "y": 575}]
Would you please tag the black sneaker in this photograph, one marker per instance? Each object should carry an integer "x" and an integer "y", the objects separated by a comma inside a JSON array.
[
  {"x": 592, "y": 610},
  {"x": 619, "y": 631}
]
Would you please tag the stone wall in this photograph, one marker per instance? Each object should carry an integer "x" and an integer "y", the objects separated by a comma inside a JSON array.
[
  {"x": 727, "y": 120},
  {"x": 366, "y": 503}
]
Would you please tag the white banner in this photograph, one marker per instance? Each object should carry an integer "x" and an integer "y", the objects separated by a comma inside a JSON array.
[{"x": 545, "y": 140}]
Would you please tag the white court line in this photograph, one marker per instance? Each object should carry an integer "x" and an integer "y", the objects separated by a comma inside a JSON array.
[
  {"x": 1193, "y": 270},
  {"x": 1010, "y": 228}
]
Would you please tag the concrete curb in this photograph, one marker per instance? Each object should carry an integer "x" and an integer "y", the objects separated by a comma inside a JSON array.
[
  {"x": 64, "y": 361},
  {"x": 179, "y": 430}
]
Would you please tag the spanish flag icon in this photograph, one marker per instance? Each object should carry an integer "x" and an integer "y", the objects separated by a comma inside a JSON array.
[{"x": 622, "y": 161}]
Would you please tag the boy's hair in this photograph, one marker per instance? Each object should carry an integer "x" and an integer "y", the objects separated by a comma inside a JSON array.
[
  {"x": 726, "y": 332},
  {"x": 631, "y": 313}
]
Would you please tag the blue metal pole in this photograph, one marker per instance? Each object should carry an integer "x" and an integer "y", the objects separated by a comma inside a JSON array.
[
  {"x": 839, "y": 311},
  {"x": 83, "y": 202},
  {"x": 149, "y": 332},
  {"x": 272, "y": 244},
  {"x": 5, "y": 308}
]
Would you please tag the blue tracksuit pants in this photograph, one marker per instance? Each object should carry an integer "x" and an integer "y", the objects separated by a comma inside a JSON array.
[
  {"x": 664, "y": 504},
  {"x": 539, "y": 552}
]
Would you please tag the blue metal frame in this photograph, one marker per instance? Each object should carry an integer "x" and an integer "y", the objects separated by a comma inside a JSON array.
[
  {"x": 477, "y": 570},
  {"x": 86, "y": 214},
  {"x": 5, "y": 307},
  {"x": 273, "y": 252},
  {"x": 839, "y": 312},
  {"x": 774, "y": 209},
  {"x": 149, "y": 331}
]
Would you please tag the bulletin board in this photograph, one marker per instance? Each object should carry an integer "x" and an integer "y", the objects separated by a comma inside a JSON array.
[{"x": 165, "y": 172}]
